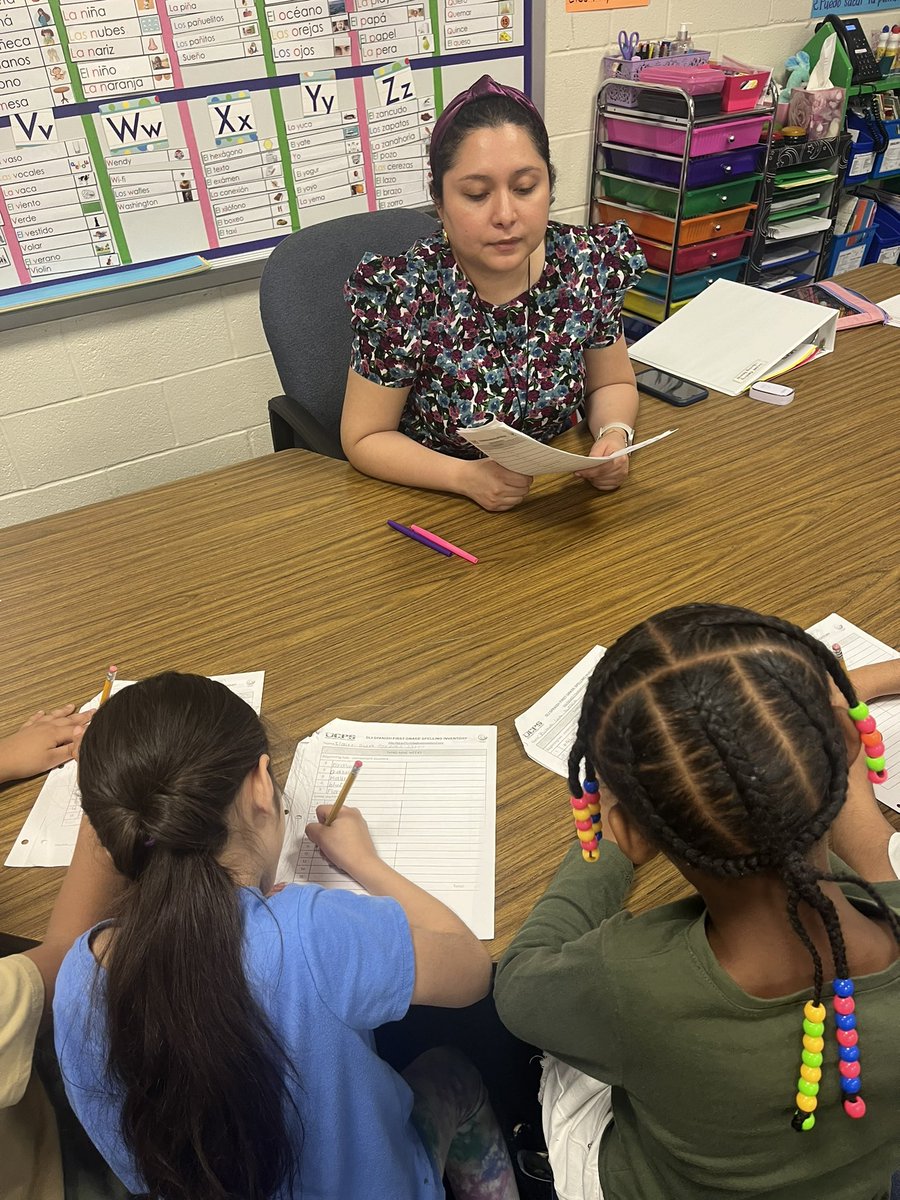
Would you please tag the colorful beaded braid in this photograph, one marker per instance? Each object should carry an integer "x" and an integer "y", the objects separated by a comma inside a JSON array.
[
  {"x": 811, "y": 1068},
  {"x": 873, "y": 742},
  {"x": 848, "y": 1047},
  {"x": 848, "y": 1057},
  {"x": 586, "y": 811},
  {"x": 844, "y": 1004}
]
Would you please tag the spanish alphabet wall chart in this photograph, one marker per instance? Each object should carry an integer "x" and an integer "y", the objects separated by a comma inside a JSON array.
[{"x": 133, "y": 131}]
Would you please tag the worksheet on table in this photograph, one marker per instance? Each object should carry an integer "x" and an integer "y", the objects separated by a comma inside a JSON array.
[
  {"x": 860, "y": 649},
  {"x": 547, "y": 728},
  {"x": 428, "y": 793},
  {"x": 47, "y": 839}
]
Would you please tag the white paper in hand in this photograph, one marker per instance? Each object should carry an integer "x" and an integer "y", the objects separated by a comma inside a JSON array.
[{"x": 518, "y": 452}]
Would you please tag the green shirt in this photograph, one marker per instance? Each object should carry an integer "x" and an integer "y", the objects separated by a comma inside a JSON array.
[{"x": 703, "y": 1075}]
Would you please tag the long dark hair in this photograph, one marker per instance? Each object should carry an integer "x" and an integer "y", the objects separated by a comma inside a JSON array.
[
  {"x": 205, "y": 1110},
  {"x": 713, "y": 728},
  {"x": 487, "y": 112}
]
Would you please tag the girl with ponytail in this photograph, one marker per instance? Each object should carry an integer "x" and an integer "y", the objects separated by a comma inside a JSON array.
[
  {"x": 215, "y": 1038},
  {"x": 742, "y": 1043}
]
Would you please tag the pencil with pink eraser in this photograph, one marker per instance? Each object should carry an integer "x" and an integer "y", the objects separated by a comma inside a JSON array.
[{"x": 107, "y": 685}]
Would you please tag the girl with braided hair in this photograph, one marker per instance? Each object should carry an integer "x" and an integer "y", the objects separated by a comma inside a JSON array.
[{"x": 688, "y": 1044}]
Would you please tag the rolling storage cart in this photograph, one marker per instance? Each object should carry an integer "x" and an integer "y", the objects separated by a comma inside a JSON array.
[{"x": 684, "y": 175}]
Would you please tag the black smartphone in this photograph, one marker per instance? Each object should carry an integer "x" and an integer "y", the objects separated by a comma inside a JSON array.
[{"x": 670, "y": 388}]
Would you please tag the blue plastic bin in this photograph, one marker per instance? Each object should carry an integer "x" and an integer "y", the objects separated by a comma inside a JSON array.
[
  {"x": 888, "y": 163},
  {"x": 848, "y": 251},
  {"x": 885, "y": 245},
  {"x": 862, "y": 152}
]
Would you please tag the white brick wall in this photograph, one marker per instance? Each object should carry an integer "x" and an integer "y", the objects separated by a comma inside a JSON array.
[{"x": 100, "y": 405}]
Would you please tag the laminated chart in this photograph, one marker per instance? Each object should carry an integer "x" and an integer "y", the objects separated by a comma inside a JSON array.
[{"x": 132, "y": 131}]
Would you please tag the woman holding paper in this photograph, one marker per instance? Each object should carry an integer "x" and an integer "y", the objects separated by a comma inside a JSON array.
[{"x": 503, "y": 313}]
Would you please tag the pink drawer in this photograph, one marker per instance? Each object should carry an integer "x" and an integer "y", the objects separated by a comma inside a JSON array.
[
  {"x": 695, "y": 258},
  {"x": 709, "y": 139}
]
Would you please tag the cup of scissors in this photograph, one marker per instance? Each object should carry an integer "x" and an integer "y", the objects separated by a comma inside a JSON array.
[{"x": 628, "y": 43}]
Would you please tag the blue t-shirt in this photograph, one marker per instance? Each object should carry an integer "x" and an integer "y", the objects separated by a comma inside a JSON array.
[{"x": 327, "y": 967}]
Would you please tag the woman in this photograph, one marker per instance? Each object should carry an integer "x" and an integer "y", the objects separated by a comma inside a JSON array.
[{"x": 503, "y": 313}]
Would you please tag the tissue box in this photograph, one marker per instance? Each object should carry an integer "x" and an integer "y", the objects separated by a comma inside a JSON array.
[{"x": 820, "y": 113}]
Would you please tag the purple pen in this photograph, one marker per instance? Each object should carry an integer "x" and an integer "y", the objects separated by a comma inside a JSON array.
[{"x": 419, "y": 537}]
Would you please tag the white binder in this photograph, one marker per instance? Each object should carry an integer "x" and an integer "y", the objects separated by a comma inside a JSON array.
[{"x": 732, "y": 335}]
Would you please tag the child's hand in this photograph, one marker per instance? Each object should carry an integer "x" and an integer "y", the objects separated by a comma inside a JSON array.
[
  {"x": 347, "y": 844},
  {"x": 46, "y": 740}
]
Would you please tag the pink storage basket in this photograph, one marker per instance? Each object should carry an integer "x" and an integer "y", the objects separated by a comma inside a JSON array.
[
  {"x": 633, "y": 68},
  {"x": 745, "y": 91},
  {"x": 707, "y": 139},
  {"x": 696, "y": 81},
  {"x": 695, "y": 258}
]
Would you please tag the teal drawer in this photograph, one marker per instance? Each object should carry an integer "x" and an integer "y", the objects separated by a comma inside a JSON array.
[{"x": 684, "y": 286}]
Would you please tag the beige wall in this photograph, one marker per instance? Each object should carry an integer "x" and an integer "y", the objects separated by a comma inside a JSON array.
[{"x": 95, "y": 406}]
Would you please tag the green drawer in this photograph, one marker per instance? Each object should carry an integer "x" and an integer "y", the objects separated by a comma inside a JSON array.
[
  {"x": 685, "y": 286},
  {"x": 665, "y": 200}
]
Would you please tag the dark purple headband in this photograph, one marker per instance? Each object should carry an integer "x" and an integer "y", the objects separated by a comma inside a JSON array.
[{"x": 485, "y": 86}]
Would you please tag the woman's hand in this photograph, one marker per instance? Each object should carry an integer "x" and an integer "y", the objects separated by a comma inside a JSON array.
[
  {"x": 606, "y": 477},
  {"x": 347, "y": 844},
  {"x": 494, "y": 487},
  {"x": 46, "y": 740}
]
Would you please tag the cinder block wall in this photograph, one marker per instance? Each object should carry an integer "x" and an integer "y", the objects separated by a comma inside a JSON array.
[{"x": 95, "y": 406}]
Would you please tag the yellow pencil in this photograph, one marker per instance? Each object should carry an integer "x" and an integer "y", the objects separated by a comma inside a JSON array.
[
  {"x": 107, "y": 685},
  {"x": 342, "y": 794}
]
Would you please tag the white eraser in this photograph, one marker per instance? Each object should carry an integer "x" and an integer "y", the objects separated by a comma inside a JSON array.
[{"x": 772, "y": 393}]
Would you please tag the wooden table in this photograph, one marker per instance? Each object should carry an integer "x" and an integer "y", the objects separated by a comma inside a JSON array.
[{"x": 285, "y": 563}]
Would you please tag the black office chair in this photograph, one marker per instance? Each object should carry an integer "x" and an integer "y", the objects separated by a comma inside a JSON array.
[{"x": 307, "y": 323}]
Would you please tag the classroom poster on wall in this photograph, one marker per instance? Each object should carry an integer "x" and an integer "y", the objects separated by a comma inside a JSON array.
[
  {"x": 574, "y": 6},
  {"x": 138, "y": 130},
  {"x": 849, "y": 8}
]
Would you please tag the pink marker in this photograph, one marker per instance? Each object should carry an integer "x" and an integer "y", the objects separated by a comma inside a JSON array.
[{"x": 439, "y": 541}]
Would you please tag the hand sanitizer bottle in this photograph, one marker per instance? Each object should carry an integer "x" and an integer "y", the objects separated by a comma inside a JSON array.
[{"x": 683, "y": 44}]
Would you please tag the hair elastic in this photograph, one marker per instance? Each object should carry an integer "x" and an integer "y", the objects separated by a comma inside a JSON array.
[
  {"x": 588, "y": 826},
  {"x": 872, "y": 740}
]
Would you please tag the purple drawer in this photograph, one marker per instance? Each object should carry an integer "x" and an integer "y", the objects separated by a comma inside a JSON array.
[{"x": 715, "y": 168}]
